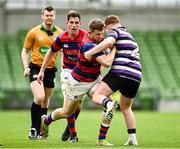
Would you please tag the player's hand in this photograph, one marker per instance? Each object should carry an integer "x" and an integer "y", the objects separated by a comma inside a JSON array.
[
  {"x": 40, "y": 77},
  {"x": 88, "y": 55},
  {"x": 26, "y": 71}
]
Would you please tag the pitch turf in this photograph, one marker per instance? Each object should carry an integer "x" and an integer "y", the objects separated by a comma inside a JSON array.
[{"x": 154, "y": 130}]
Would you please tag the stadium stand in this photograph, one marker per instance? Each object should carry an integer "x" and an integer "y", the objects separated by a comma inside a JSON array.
[
  {"x": 6, "y": 82},
  {"x": 15, "y": 63},
  {"x": 160, "y": 59}
]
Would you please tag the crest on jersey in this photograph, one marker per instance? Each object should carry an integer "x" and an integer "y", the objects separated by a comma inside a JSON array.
[{"x": 66, "y": 46}]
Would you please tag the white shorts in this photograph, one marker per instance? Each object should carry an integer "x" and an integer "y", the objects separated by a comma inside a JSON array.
[
  {"x": 64, "y": 78},
  {"x": 75, "y": 90}
]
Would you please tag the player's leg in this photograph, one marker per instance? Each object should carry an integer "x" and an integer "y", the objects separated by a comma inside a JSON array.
[
  {"x": 101, "y": 96},
  {"x": 128, "y": 91},
  {"x": 105, "y": 124},
  {"x": 59, "y": 113},
  {"x": 44, "y": 106},
  {"x": 70, "y": 131},
  {"x": 46, "y": 100},
  {"x": 126, "y": 104},
  {"x": 71, "y": 120},
  {"x": 104, "y": 127},
  {"x": 49, "y": 84},
  {"x": 38, "y": 94},
  {"x": 71, "y": 123}
]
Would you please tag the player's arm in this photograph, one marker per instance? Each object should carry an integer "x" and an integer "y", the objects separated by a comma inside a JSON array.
[
  {"x": 106, "y": 43},
  {"x": 48, "y": 57},
  {"x": 25, "y": 61},
  {"x": 28, "y": 44},
  {"x": 107, "y": 59}
]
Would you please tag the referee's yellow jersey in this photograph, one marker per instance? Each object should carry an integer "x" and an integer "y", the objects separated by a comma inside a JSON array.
[{"x": 39, "y": 40}]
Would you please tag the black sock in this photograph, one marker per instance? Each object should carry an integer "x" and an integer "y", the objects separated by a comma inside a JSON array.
[
  {"x": 35, "y": 116},
  {"x": 131, "y": 131},
  {"x": 44, "y": 111}
]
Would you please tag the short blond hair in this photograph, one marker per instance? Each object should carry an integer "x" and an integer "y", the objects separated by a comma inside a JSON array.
[{"x": 112, "y": 19}]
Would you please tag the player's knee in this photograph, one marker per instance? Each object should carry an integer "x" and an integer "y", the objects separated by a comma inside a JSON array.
[
  {"x": 45, "y": 104},
  {"x": 39, "y": 98},
  {"x": 125, "y": 110}
]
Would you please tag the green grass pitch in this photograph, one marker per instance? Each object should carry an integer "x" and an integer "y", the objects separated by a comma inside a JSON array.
[{"x": 154, "y": 130}]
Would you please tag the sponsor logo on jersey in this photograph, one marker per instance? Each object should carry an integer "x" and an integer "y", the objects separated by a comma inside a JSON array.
[{"x": 43, "y": 50}]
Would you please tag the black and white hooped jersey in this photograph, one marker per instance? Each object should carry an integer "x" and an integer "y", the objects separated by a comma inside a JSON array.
[{"x": 127, "y": 58}]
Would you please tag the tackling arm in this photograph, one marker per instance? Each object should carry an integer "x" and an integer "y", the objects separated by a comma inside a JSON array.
[
  {"x": 106, "y": 60},
  {"x": 106, "y": 43}
]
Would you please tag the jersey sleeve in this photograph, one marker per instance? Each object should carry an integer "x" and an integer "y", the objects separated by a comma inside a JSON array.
[
  {"x": 56, "y": 45},
  {"x": 113, "y": 33},
  {"x": 28, "y": 43},
  {"x": 99, "y": 54}
]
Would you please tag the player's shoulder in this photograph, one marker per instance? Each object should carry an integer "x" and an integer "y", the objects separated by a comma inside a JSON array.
[
  {"x": 87, "y": 45},
  {"x": 82, "y": 33},
  {"x": 34, "y": 30},
  {"x": 63, "y": 36}
]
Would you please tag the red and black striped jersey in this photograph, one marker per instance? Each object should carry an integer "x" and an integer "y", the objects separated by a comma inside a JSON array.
[{"x": 70, "y": 48}]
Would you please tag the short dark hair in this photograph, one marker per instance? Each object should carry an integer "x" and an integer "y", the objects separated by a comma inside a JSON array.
[
  {"x": 74, "y": 14},
  {"x": 48, "y": 8},
  {"x": 112, "y": 19},
  {"x": 96, "y": 24}
]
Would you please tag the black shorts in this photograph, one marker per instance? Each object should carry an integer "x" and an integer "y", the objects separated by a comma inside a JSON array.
[
  {"x": 127, "y": 87},
  {"x": 49, "y": 75}
]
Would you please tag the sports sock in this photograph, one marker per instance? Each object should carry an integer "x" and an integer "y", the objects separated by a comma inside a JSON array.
[
  {"x": 103, "y": 131},
  {"x": 132, "y": 135},
  {"x": 105, "y": 102},
  {"x": 48, "y": 119},
  {"x": 132, "y": 130},
  {"x": 35, "y": 118},
  {"x": 44, "y": 111},
  {"x": 71, "y": 124},
  {"x": 77, "y": 114}
]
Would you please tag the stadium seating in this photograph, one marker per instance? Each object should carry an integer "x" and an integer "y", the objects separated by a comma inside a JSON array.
[
  {"x": 6, "y": 82},
  {"x": 14, "y": 55},
  {"x": 160, "y": 58}
]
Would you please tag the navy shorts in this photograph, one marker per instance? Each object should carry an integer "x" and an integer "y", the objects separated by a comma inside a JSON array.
[
  {"x": 126, "y": 86},
  {"x": 49, "y": 75}
]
